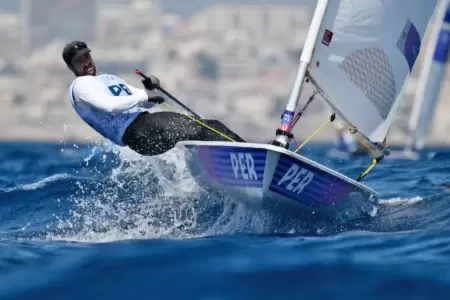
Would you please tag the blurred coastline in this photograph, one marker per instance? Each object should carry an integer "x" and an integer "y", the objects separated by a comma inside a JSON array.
[{"x": 232, "y": 60}]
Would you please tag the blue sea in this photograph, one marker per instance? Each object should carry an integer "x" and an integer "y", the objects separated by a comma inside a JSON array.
[{"x": 93, "y": 222}]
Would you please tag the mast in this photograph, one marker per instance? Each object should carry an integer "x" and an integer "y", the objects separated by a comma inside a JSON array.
[{"x": 283, "y": 133}]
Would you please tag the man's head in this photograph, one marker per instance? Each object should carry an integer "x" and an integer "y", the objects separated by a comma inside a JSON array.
[{"x": 77, "y": 57}]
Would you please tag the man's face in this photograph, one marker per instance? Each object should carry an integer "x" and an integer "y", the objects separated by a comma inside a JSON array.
[{"x": 84, "y": 64}]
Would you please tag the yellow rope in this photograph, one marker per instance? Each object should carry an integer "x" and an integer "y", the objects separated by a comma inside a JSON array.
[
  {"x": 330, "y": 119},
  {"x": 367, "y": 145},
  {"x": 361, "y": 140},
  {"x": 374, "y": 163},
  {"x": 198, "y": 121}
]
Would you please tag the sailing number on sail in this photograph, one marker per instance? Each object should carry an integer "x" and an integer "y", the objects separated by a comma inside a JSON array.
[
  {"x": 296, "y": 179},
  {"x": 243, "y": 166}
]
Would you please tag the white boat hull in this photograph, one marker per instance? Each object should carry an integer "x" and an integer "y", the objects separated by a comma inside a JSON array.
[{"x": 270, "y": 177}]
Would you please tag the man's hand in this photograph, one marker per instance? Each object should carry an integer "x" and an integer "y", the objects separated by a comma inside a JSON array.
[
  {"x": 151, "y": 82},
  {"x": 156, "y": 99}
]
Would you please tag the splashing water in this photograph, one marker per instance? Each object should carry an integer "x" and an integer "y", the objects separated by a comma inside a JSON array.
[
  {"x": 150, "y": 197},
  {"x": 72, "y": 215}
]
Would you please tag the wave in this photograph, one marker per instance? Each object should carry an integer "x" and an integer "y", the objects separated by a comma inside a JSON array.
[{"x": 116, "y": 194}]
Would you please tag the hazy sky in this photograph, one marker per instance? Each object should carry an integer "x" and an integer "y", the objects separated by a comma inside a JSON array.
[
  {"x": 9, "y": 5},
  {"x": 188, "y": 7},
  {"x": 181, "y": 7}
]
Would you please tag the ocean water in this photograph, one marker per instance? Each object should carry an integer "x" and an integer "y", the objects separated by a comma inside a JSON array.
[{"x": 92, "y": 222}]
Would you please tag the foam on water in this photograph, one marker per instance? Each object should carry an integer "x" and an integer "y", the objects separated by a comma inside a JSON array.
[{"x": 151, "y": 197}]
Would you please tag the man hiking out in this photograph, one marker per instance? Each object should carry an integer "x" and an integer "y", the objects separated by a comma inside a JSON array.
[{"x": 118, "y": 111}]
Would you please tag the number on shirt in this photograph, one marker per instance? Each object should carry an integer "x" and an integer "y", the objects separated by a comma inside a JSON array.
[{"x": 116, "y": 90}]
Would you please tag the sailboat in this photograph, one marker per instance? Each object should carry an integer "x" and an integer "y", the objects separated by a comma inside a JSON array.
[
  {"x": 358, "y": 55},
  {"x": 430, "y": 81}
]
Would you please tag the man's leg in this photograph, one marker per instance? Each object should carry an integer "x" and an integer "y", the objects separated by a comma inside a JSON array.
[{"x": 156, "y": 133}]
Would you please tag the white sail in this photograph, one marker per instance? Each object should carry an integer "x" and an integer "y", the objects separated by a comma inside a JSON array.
[
  {"x": 364, "y": 54},
  {"x": 431, "y": 77}
]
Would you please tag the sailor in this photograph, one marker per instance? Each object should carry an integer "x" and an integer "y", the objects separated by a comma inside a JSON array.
[
  {"x": 347, "y": 143},
  {"x": 118, "y": 111}
]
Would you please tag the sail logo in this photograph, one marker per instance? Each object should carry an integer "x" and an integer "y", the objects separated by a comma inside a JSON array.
[
  {"x": 409, "y": 43},
  {"x": 243, "y": 165},
  {"x": 327, "y": 37},
  {"x": 442, "y": 46},
  {"x": 296, "y": 179}
]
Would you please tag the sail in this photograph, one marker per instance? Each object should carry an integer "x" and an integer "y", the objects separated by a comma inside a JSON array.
[
  {"x": 431, "y": 77},
  {"x": 363, "y": 56}
]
